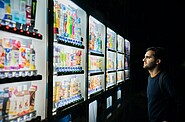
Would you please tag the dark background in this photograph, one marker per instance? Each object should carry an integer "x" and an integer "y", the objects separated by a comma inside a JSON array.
[{"x": 146, "y": 23}]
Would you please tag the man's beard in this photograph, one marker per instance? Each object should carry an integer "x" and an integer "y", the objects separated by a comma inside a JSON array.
[{"x": 150, "y": 66}]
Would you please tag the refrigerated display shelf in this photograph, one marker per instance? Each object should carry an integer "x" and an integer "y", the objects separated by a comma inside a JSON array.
[
  {"x": 112, "y": 50},
  {"x": 110, "y": 85},
  {"x": 20, "y": 79},
  {"x": 15, "y": 30},
  {"x": 120, "y": 70},
  {"x": 96, "y": 93},
  {"x": 111, "y": 71},
  {"x": 95, "y": 53},
  {"x": 24, "y": 118},
  {"x": 72, "y": 44},
  {"x": 120, "y": 82},
  {"x": 96, "y": 73},
  {"x": 71, "y": 104},
  {"x": 121, "y": 53},
  {"x": 70, "y": 73}
]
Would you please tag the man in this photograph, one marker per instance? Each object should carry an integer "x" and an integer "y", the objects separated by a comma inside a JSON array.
[{"x": 160, "y": 99}]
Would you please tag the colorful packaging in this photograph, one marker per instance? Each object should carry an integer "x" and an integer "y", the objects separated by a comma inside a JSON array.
[
  {"x": 32, "y": 92},
  {"x": 2, "y": 55}
]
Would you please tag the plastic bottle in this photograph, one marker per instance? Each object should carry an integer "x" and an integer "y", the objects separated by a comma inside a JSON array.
[
  {"x": 22, "y": 12},
  {"x": 2, "y": 9},
  {"x": 19, "y": 98},
  {"x": 7, "y": 48},
  {"x": 22, "y": 51},
  {"x": 12, "y": 101},
  {"x": 28, "y": 12},
  {"x": 2, "y": 55},
  {"x": 14, "y": 64},
  {"x": 79, "y": 29},
  {"x": 27, "y": 58},
  {"x": 26, "y": 99},
  {"x": 32, "y": 58}
]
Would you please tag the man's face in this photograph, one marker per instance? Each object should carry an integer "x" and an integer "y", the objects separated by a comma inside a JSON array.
[{"x": 149, "y": 60}]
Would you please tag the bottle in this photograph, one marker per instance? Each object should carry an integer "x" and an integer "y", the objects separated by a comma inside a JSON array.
[
  {"x": 22, "y": 11},
  {"x": 15, "y": 10},
  {"x": 2, "y": 55},
  {"x": 32, "y": 58},
  {"x": 12, "y": 103},
  {"x": 28, "y": 12},
  {"x": 32, "y": 91},
  {"x": 2, "y": 9},
  {"x": 27, "y": 57},
  {"x": 7, "y": 48},
  {"x": 14, "y": 64},
  {"x": 78, "y": 29},
  {"x": 22, "y": 51},
  {"x": 26, "y": 99},
  {"x": 19, "y": 98}
]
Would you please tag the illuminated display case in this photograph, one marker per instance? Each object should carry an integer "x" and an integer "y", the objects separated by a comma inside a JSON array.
[
  {"x": 96, "y": 56},
  {"x": 111, "y": 58},
  {"x": 69, "y": 55},
  {"x": 22, "y": 60},
  {"x": 127, "y": 59},
  {"x": 120, "y": 59}
]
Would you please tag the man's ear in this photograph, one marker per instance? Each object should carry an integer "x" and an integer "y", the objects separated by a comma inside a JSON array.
[{"x": 158, "y": 61}]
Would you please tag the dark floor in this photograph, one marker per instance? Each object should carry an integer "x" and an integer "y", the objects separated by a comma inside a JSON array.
[{"x": 133, "y": 110}]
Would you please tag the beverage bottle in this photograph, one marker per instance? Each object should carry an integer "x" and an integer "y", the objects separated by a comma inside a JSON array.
[
  {"x": 79, "y": 29},
  {"x": 2, "y": 55},
  {"x": 22, "y": 11},
  {"x": 12, "y": 103},
  {"x": 22, "y": 51},
  {"x": 32, "y": 58},
  {"x": 26, "y": 99},
  {"x": 14, "y": 64},
  {"x": 27, "y": 57},
  {"x": 28, "y": 12},
  {"x": 7, "y": 48},
  {"x": 19, "y": 98}
]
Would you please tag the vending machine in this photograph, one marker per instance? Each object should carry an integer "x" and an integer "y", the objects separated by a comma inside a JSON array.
[
  {"x": 111, "y": 57},
  {"x": 111, "y": 62},
  {"x": 96, "y": 66},
  {"x": 127, "y": 60},
  {"x": 22, "y": 60},
  {"x": 69, "y": 60},
  {"x": 120, "y": 70},
  {"x": 120, "y": 59}
]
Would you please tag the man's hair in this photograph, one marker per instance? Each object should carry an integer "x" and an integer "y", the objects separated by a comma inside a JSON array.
[{"x": 160, "y": 53}]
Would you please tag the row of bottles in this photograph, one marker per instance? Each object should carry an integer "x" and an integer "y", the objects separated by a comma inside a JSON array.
[
  {"x": 120, "y": 76},
  {"x": 110, "y": 79},
  {"x": 67, "y": 23},
  {"x": 120, "y": 58},
  {"x": 17, "y": 101},
  {"x": 66, "y": 90},
  {"x": 18, "y": 41},
  {"x": 95, "y": 63},
  {"x": 120, "y": 44},
  {"x": 66, "y": 59},
  {"x": 20, "y": 11},
  {"x": 95, "y": 36},
  {"x": 68, "y": 54},
  {"x": 95, "y": 83},
  {"x": 111, "y": 39},
  {"x": 14, "y": 55}
]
